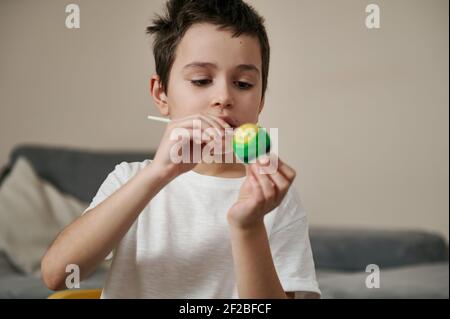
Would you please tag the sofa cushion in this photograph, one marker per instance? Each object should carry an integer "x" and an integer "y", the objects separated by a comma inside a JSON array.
[
  {"x": 419, "y": 281},
  {"x": 6, "y": 267},
  {"x": 32, "y": 212}
]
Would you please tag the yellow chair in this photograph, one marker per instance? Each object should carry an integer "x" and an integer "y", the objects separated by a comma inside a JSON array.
[{"x": 77, "y": 294}]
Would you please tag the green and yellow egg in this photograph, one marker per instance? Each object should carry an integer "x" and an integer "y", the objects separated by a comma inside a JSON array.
[{"x": 250, "y": 141}]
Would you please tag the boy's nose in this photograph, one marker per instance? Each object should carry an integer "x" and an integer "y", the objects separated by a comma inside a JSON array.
[
  {"x": 222, "y": 103},
  {"x": 222, "y": 97}
]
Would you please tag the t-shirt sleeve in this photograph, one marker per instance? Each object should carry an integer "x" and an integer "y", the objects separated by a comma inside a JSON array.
[
  {"x": 113, "y": 182},
  {"x": 291, "y": 248}
]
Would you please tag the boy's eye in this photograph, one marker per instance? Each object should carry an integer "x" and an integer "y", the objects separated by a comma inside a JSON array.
[
  {"x": 241, "y": 85},
  {"x": 201, "y": 82},
  {"x": 244, "y": 85}
]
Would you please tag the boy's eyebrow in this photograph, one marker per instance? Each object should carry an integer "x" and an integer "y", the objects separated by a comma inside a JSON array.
[
  {"x": 200, "y": 64},
  {"x": 244, "y": 67},
  {"x": 248, "y": 67}
]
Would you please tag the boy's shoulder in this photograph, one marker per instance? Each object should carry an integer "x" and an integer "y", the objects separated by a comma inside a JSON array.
[{"x": 126, "y": 170}]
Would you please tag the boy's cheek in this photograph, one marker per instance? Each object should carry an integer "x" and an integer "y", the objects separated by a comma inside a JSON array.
[
  {"x": 185, "y": 109},
  {"x": 193, "y": 104}
]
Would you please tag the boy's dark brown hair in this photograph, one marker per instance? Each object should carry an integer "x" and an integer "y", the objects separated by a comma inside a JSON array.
[{"x": 234, "y": 15}]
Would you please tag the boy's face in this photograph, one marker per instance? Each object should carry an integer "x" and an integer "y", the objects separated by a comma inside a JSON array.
[{"x": 228, "y": 82}]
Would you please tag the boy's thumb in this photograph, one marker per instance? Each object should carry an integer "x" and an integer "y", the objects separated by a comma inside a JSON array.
[{"x": 248, "y": 170}]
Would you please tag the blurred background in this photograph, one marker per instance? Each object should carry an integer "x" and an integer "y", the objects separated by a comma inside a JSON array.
[{"x": 362, "y": 113}]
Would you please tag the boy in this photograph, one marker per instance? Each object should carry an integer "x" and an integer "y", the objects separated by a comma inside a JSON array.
[{"x": 197, "y": 230}]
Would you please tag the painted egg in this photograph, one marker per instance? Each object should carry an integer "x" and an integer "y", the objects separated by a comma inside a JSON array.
[{"x": 250, "y": 141}]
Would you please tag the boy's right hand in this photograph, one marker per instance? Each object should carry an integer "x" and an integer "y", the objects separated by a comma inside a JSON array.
[{"x": 163, "y": 161}]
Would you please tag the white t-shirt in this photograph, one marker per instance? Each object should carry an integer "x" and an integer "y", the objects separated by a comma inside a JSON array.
[{"x": 179, "y": 246}]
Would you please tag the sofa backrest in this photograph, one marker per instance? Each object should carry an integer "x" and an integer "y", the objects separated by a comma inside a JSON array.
[
  {"x": 78, "y": 172},
  {"x": 355, "y": 249}
]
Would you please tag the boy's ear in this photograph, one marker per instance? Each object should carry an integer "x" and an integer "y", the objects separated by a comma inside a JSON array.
[
  {"x": 261, "y": 105},
  {"x": 159, "y": 97}
]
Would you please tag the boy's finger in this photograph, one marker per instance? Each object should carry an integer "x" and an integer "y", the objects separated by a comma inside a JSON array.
[
  {"x": 213, "y": 123},
  {"x": 189, "y": 124},
  {"x": 205, "y": 122},
  {"x": 268, "y": 163},
  {"x": 222, "y": 123},
  {"x": 267, "y": 186},
  {"x": 225, "y": 128},
  {"x": 196, "y": 139},
  {"x": 281, "y": 182},
  {"x": 253, "y": 180},
  {"x": 286, "y": 170},
  {"x": 248, "y": 170}
]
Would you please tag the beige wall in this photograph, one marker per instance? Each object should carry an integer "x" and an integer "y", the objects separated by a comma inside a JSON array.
[{"x": 363, "y": 114}]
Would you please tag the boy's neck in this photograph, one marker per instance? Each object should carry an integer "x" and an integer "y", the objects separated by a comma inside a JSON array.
[{"x": 229, "y": 170}]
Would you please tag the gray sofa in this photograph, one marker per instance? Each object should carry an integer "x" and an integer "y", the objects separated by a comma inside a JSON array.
[{"x": 413, "y": 264}]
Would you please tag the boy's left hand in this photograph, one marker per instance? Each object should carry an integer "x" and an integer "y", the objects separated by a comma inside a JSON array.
[{"x": 260, "y": 193}]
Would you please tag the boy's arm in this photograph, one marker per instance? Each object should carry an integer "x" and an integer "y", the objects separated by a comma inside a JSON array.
[
  {"x": 255, "y": 271},
  {"x": 88, "y": 240},
  {"x": 260, "y": 193}
]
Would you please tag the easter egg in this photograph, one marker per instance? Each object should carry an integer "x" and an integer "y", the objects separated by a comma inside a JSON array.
[{"x": 250, "y": 141}]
